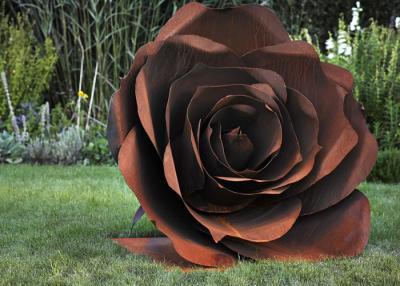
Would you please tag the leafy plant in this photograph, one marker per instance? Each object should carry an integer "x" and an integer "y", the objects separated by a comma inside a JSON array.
[
  {"x": 372, "y": 54},
  {"x": 387, "y": 168},
  {"x": 375, "y": 64},
  {"x": 96, "y": 149},
  {"x": 39, "y": 150},
  {"x": 67, "y": 148},
  {"x": 29, "y": 65},
  {"x": 11, "y": 150}
]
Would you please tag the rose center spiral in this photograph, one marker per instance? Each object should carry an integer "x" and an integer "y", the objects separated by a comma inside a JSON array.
[{"x": 238, "y": 148}]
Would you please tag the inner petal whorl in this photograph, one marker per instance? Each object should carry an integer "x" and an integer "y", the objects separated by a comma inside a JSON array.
[{"x": 238, "y": 148}]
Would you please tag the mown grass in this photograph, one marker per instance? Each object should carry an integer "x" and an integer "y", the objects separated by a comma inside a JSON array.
[{"x": 55, "y": 222}]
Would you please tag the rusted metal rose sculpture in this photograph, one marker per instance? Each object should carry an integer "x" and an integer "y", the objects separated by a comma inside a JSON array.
[{"x": 237, "y": 140}]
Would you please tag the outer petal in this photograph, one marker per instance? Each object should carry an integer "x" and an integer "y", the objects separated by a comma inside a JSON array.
[
  {"x": 123, "y": 109},
  {"x": 173, "y": 58},
  {"x": 158, "y": 248},
  {"x": 259, "y": 223},
  {"x": 341, "y": 230},
  {"x": 251, "y": 26},
  {"x": 140, "y": 165},
  {"x": 339, "y": 75},
  {"x": 351, "y": 171},
  {"x": 299, "y": 65}
]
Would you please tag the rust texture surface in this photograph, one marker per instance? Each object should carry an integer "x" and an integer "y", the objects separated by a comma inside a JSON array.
[{"x": 238, "y": 141}]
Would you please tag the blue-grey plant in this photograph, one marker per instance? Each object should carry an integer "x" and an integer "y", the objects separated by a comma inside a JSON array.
[
  {"x": 68, "y": 146},
  {"x": 11, "y": 151},
  {"x": 64, "y": 149},
  {"x": 39, "y": 150}
]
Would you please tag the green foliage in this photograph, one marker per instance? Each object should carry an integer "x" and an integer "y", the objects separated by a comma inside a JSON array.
[
  {"x": 11, "y": 150},
  {"x": 375, "y": 64},
  {"x": 29, "y": 65},
  {"x": 387, "y": 168},
  {"x": 57, "y": 140},
  {"x": 59, "y": 119},
  {"x": 96, "y": 150}
]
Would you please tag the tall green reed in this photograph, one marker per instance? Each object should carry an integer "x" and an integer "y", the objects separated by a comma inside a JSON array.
[{"x": 109, "y": 31}]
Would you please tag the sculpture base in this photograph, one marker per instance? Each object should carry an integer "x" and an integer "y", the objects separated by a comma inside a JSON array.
[{"x": 158, "y": 248}]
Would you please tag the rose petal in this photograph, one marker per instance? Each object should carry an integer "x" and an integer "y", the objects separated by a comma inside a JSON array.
[
  {"x": 202, "y": 75},
  {"x": 339, "y": 75},
  {"x": 183, "y": 89},
  {"x": 263, "y": 128},
  {"x": 299, "y": 65},
  {"x": 341, "y": 230},
  {"x": 306, "y": 126},
  {"x": 182, "y": 163},
  {"x": 206, "y": 96},
  {"x": 158, "y": 248},
  {"x": 214, "y": 139},
  {"x": 257, "y": 224},
  {"x": 123, "y": 109},
  {"x": 140, "y": 165},
  {"x": 201, "y": 202},
  {"x": 194, "y": 186},
  {"x": 214, "y": 157},
  {"x": 351, "y": 171},
  {"x": 238, "y": 148},
  {"x": 288, "y": 156},
  {"x": 174, "y": 57},
  {"x": 254, "y": 26}
]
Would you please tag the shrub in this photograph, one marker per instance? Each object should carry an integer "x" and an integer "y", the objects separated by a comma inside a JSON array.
[
  {"x": 68, "y": 146},
  {"x": 387, "y": 168},
  {"x": 64, "y": 149},
  {"x": 320, "y": 16},
  {"x": 29, "y": 65},
  {"x": 39, "y": 150},
  {"x": 372, "y": 54},
  {"x": 96, "y": 149}
]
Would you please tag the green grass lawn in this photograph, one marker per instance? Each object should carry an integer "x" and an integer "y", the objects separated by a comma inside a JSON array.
[{"x": 55, "y": 222}]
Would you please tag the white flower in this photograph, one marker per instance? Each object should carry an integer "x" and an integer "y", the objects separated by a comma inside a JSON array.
[
  {"x": 344, "y": 47},
  {"x": 347, "y": 51},
  {"x": 355, "y": 21},
  {"x": 329, "y": 44},
  {"x": 397, "y": 22},
  {"x": 331, "y": 55},
  {"x": 342, "y": 37}
]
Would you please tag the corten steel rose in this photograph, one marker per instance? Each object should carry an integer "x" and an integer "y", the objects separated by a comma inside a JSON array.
[{"x": 237, "y": 140}]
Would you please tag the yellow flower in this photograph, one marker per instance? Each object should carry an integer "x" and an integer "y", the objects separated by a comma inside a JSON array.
[{"x": 82, "y": 95}]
